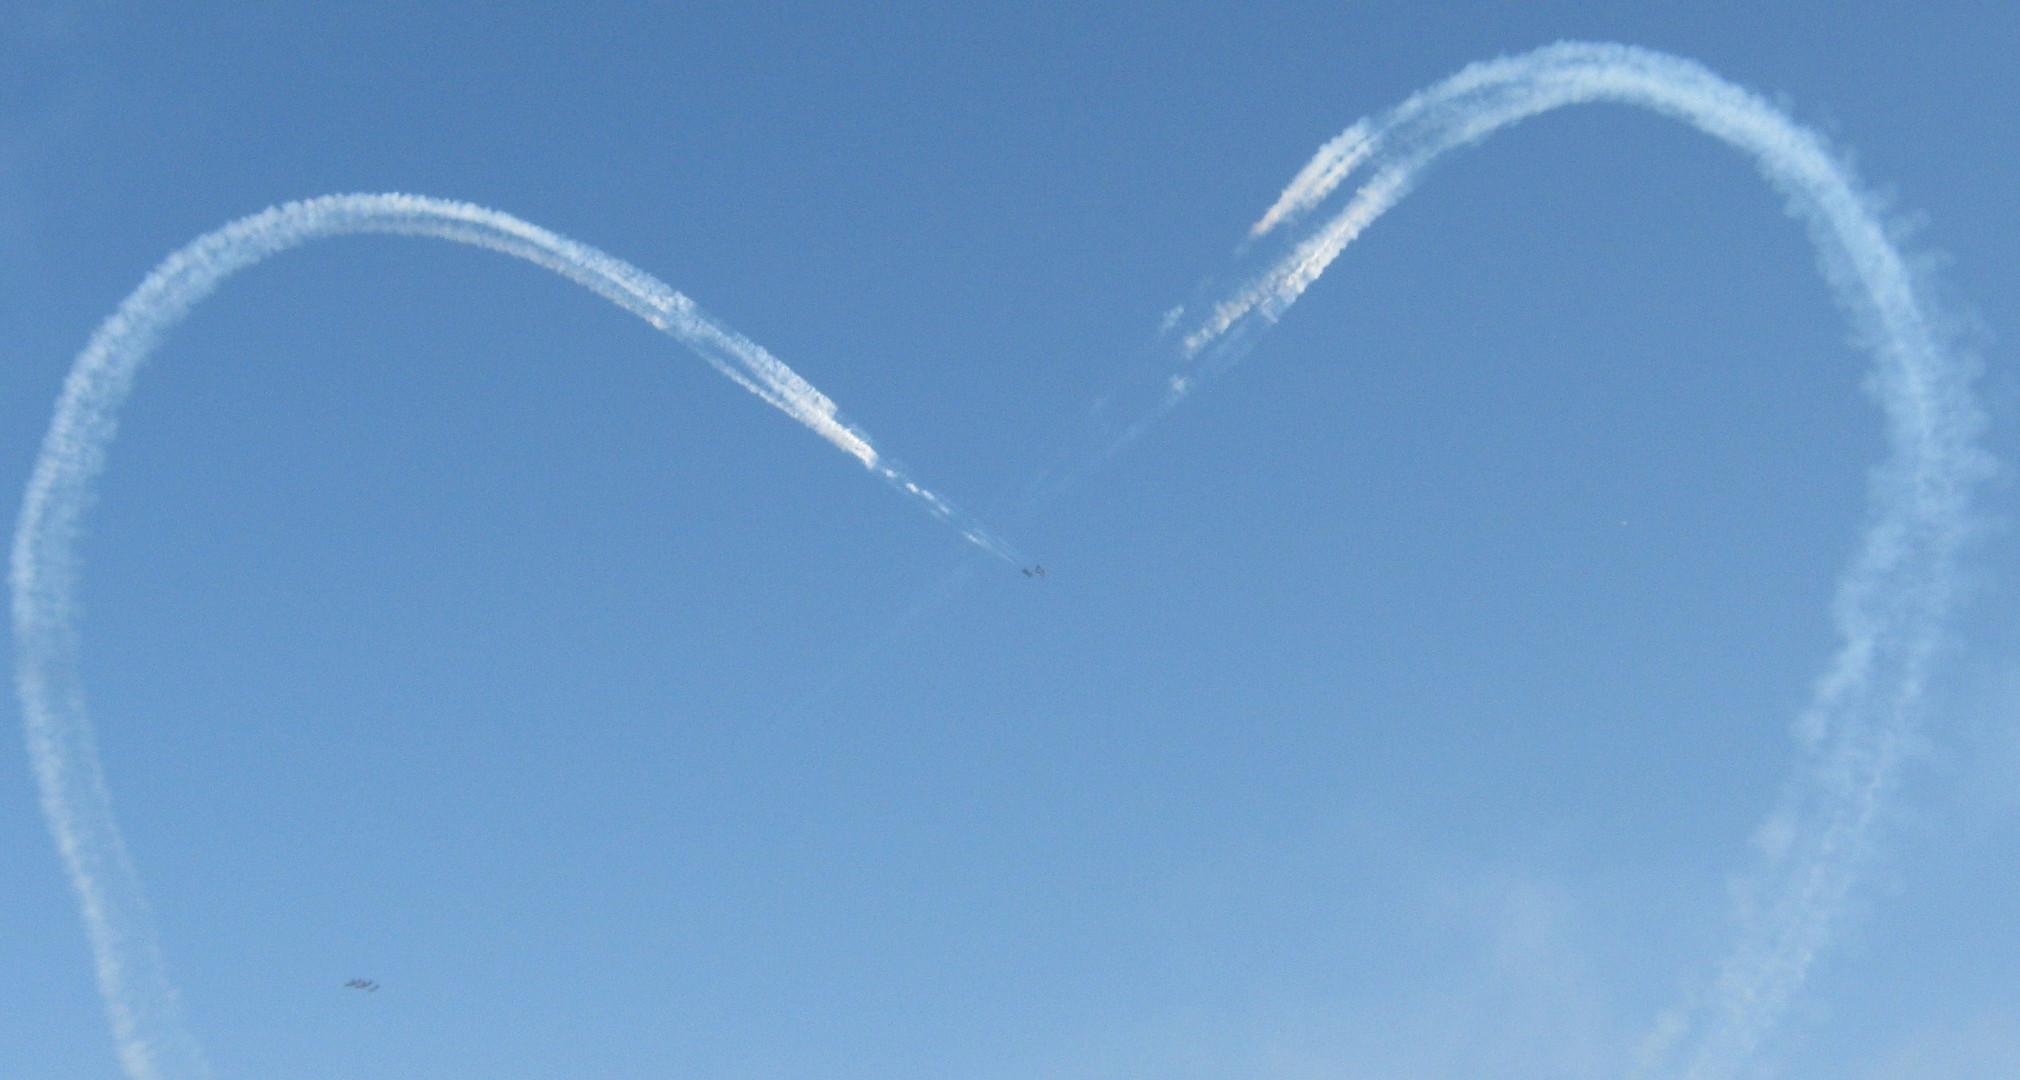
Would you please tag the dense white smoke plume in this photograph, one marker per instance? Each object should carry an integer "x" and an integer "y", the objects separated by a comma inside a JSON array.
[
  {"x": 1894, "y": 597},
  {"x": 152, "y": 1041}
]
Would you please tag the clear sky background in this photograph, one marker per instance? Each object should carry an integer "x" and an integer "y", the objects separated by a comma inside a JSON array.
[{"x": 1400, "y": 707}]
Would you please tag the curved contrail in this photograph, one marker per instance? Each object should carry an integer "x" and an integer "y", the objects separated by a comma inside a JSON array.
[
  {"x": 1891, "y": 601},
  {"x": 1889, "y": 611},
  {"x": 147, "y": 1028}
]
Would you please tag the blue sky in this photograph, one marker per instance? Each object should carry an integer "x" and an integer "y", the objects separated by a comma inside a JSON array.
[{"x": 1400, "y": 706}]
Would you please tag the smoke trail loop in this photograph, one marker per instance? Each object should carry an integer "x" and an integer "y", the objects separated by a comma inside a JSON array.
[
  {"x": 1889, "y": 610},
  {"x": 1894, "y": 597},
  {"x": 148, "y": 1031}
]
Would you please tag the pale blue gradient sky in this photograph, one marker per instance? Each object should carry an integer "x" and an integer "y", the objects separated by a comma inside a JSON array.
[{"x": 1397, "y": 708}]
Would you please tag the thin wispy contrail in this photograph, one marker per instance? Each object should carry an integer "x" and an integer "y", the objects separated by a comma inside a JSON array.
[
  {"x": 1892, "y": 600},
  {"x": 147, "y": 1028}
]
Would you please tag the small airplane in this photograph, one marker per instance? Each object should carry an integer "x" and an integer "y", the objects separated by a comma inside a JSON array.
[
  {"x": 1034, "y": 571},
  {"x": 366, "y": 985}
]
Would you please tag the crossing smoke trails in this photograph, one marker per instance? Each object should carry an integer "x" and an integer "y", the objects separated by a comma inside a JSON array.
[
  {"x": 1891, "y": 601},
  {"x": 146, "y": 1025}
]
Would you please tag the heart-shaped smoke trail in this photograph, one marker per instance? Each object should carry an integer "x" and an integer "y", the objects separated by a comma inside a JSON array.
[
  {"x": 151, "y": 1038},
  {"x": 1891, "y": 604},
  {"x": 1892, "y": 600}
]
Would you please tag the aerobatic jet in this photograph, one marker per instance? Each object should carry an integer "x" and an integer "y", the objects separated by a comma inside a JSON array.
[
  {"x": 366, "y": 985},
  {"x": 1034, "y": 571}
]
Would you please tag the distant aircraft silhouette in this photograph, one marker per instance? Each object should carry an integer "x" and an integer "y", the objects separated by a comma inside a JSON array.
[
  {"x": 367, "y": 985},
  {"x": 1034, "y": 571}
]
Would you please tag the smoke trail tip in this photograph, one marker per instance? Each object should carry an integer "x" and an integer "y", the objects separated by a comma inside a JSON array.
[
  {"x": 1339, "y": 157},
  {"x": 943, "y": 510}
]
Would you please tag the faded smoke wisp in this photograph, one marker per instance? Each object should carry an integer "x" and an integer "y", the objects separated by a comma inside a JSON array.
[
  {"x": 1891, "y": 601},
  {"x": 150, "y": 1036}
]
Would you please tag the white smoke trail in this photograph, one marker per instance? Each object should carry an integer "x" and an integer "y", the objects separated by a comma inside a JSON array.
[
  {"x": 1334, "y": 162},
  {"x": 151, "y": 1039},
  {"x": 1892, "y": 600},
  {"x": 1889, "y": 612}
]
